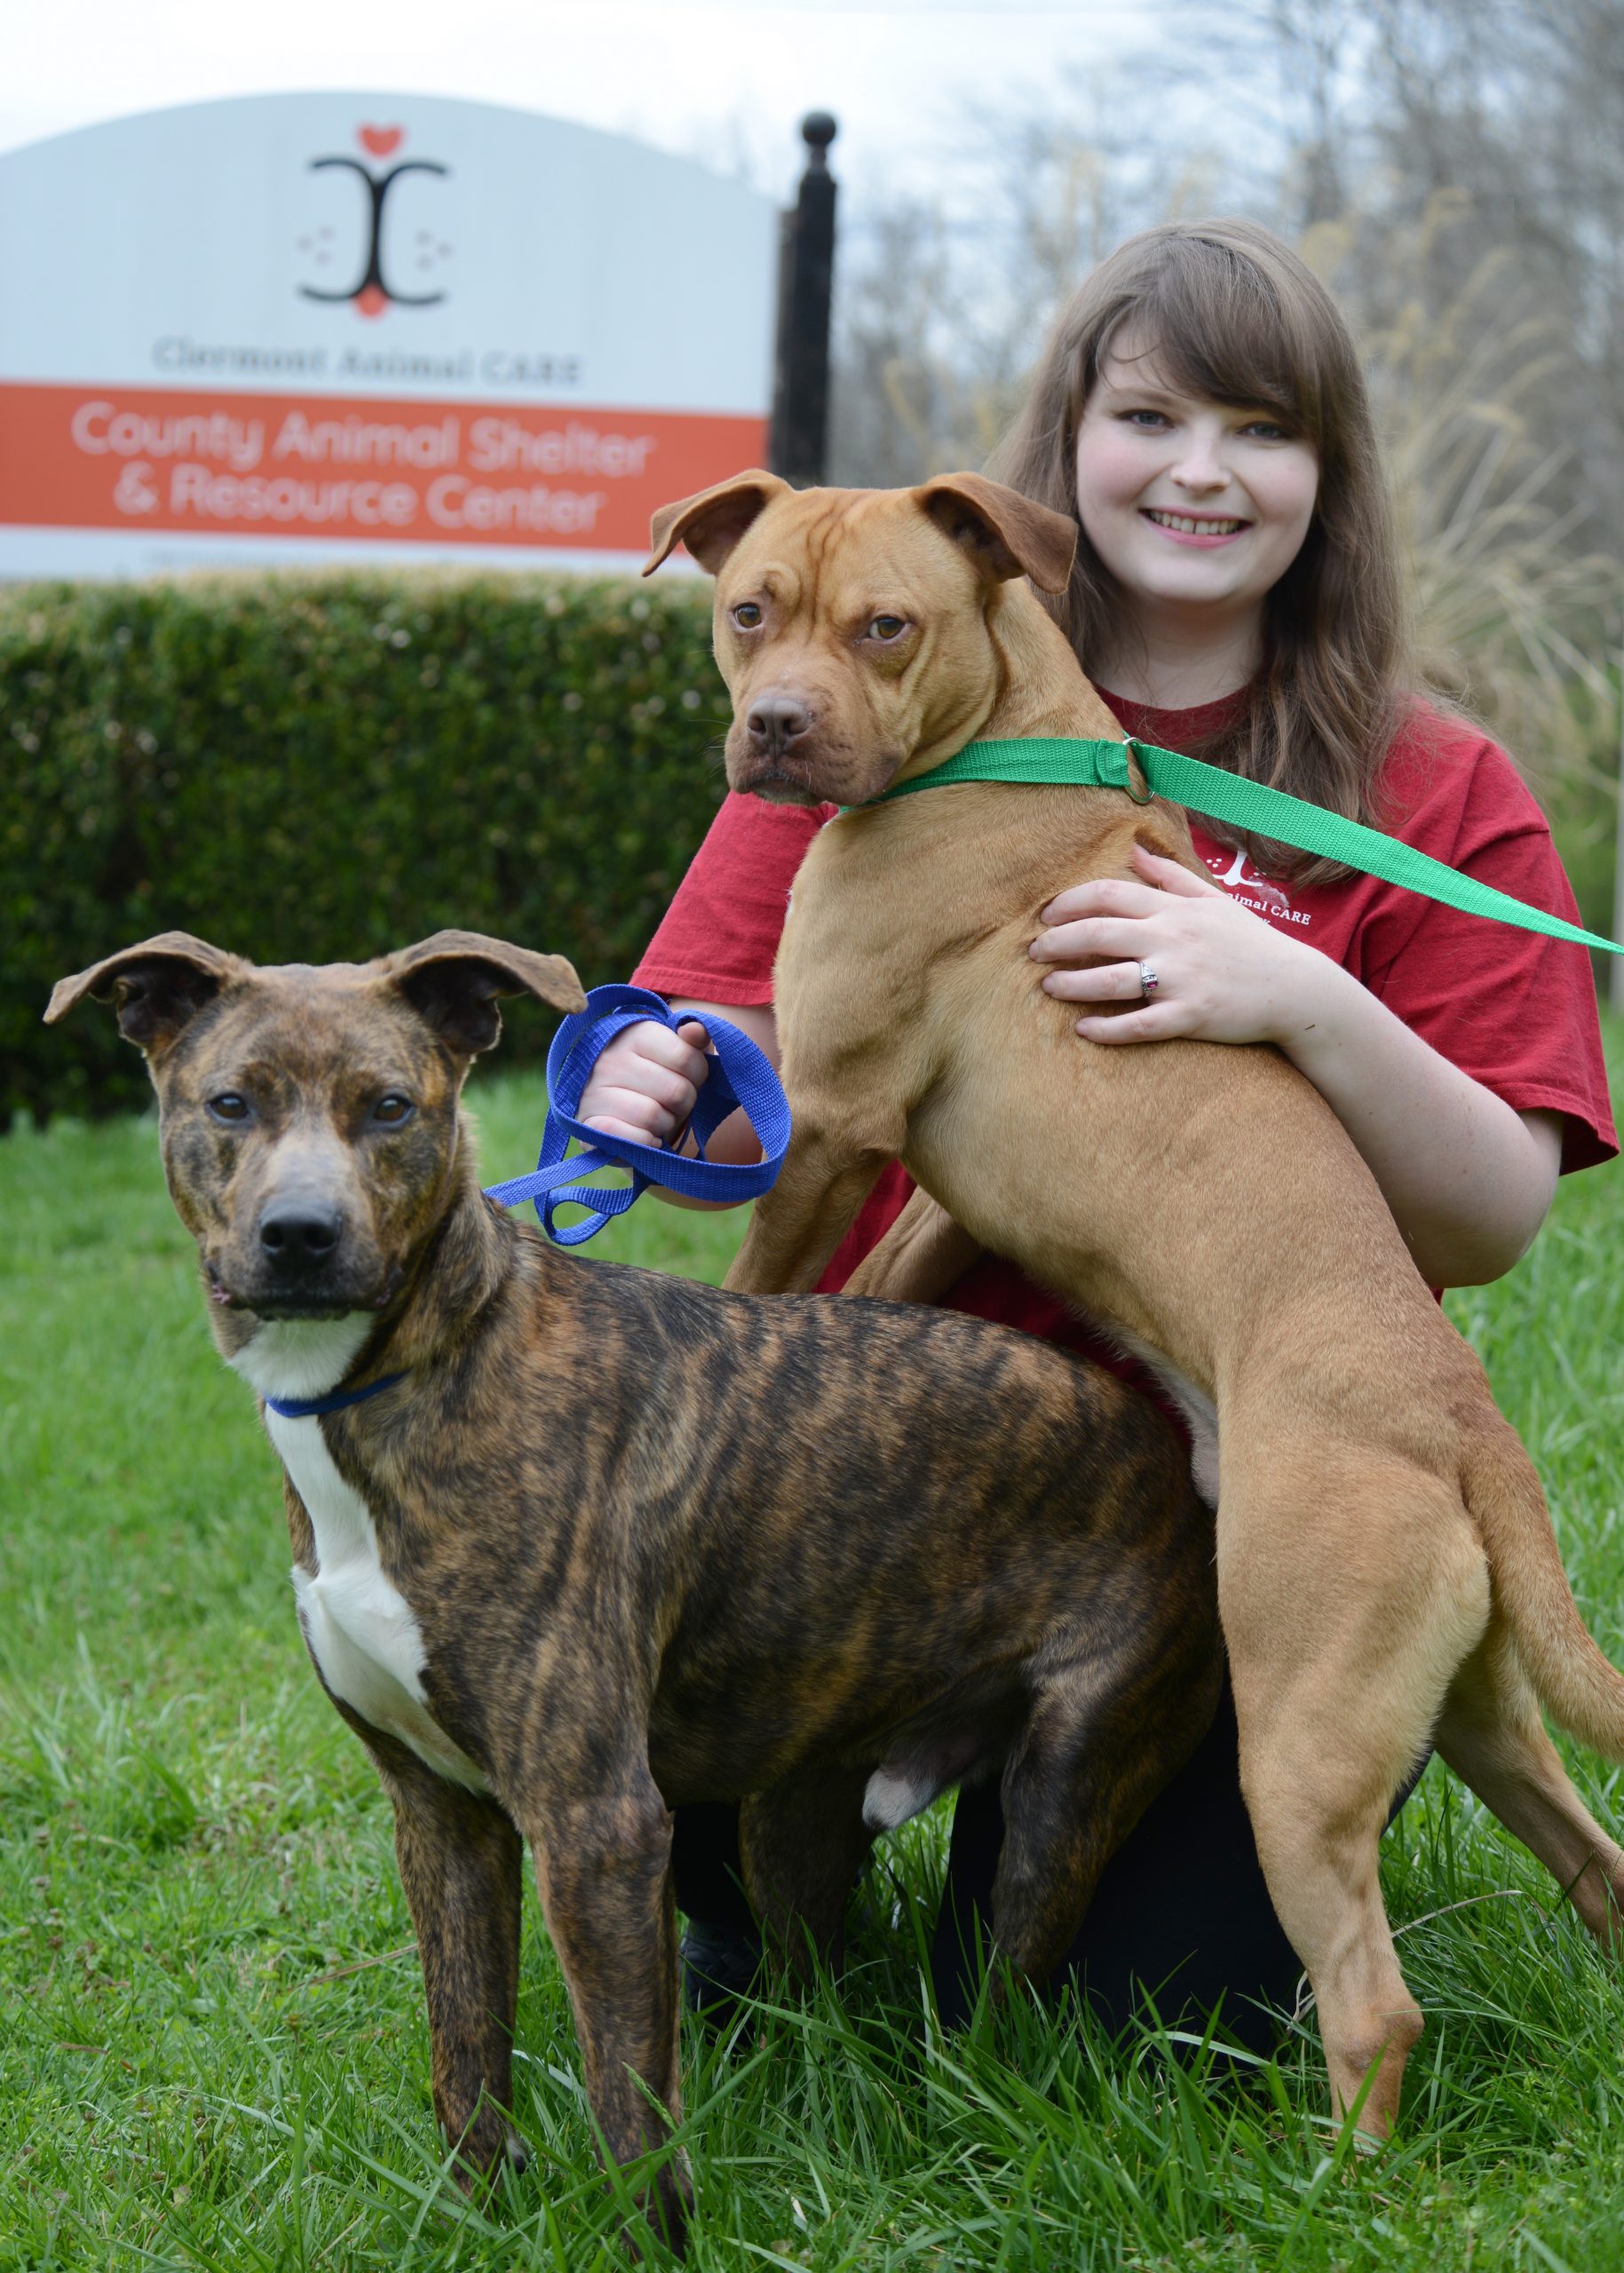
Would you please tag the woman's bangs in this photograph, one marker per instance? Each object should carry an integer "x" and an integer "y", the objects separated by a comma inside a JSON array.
[{"x": 1219, "y": 332}]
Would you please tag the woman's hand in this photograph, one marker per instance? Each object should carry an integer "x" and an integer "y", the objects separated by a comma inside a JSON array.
[
  {"x": 1467, "y": 1176},
  {"x": 646, "y": 1083},
  {"x": 1221, "y": 974}
]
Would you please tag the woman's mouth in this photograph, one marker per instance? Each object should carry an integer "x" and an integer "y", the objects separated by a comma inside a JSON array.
[{"x": 1202, "y": 530}]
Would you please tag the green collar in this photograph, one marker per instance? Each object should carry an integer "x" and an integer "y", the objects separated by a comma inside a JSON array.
[
  {"x": 1074, "y": 764},
  {"x": 1250, "y": 805}
]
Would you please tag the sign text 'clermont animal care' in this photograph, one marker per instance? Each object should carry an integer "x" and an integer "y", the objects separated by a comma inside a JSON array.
[{"x": 312, "y": 325}]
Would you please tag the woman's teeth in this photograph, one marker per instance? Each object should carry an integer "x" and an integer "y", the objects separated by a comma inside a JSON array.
[{"x": 1189, "y": 526}]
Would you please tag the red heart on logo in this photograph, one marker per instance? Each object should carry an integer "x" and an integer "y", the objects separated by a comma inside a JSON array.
[{"x": 380, "y": 140}]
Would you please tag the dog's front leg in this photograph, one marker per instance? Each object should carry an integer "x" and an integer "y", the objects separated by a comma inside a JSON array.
[
  {"x": 603, "y": 1865},
  {"x": 828, "y": 1172},
  {"x": 462, "y": 1865}
]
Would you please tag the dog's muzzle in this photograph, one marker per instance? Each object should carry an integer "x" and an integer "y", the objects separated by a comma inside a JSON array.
[{"x": 300, "y": 1262}]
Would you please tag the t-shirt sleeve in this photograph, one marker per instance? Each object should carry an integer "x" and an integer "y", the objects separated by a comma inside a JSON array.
[
  {"x": 1514, "y": 1010},
  {"x": 717, "y": 940}
]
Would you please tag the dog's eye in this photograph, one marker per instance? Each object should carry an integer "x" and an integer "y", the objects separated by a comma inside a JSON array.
[
  {"x": 886, "y": 628},
  {"x": 229, "y": 1105},
  {"x": 747, "y": 615},
  {"x": 393, "y": 1109}
]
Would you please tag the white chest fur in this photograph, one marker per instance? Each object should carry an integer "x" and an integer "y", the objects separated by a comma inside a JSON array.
[{"x": 360, "y": 1628}]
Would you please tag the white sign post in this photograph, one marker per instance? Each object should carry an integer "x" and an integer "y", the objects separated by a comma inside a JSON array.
[{"x": 297, "y": 327}]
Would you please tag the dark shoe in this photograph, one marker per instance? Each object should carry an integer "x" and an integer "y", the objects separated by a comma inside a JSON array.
[{"x": 719, "y": 1964}]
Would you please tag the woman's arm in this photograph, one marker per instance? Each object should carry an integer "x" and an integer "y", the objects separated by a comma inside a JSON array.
[
  {"x": 1468, "y": 1177},
  {"x": 646, "y": 1083}
]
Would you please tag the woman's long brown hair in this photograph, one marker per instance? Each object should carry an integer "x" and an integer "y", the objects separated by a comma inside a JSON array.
[{"x": 1234, "y": 317}]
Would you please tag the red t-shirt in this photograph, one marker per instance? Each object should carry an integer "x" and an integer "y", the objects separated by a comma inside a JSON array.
[{"x": 1514, "y": 1010}]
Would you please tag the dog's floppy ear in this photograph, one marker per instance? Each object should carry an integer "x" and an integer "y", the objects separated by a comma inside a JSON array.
[
  {"x": 162, "y": 985},
  {"x": 1004, "y": 533},
  {"x": 712, "y": 523},
  {"x": 453, "y": 979}
]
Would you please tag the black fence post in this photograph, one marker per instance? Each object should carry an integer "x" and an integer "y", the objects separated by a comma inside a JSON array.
[{"x": 798, "y": 437}]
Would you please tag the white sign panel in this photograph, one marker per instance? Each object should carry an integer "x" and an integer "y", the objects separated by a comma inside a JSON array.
[{"x": 319, "y": 325}]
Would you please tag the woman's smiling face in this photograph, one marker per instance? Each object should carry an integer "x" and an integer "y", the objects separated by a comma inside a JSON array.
[{"x": 1189, "y": 504}]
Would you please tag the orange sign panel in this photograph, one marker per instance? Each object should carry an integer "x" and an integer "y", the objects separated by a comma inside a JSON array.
[{"x": 225, "y": 463}]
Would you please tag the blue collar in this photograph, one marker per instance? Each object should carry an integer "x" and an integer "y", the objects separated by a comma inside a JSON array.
[{"x": 302, "y": 1408}]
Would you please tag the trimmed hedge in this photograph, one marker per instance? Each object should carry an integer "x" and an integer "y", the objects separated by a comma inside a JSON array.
[{"x": 318, "y": 769}]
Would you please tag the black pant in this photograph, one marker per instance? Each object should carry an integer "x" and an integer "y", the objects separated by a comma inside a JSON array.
[{"x": 1181, "y": 1910}]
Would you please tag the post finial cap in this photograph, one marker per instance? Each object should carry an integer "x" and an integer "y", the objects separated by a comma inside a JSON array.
[{"x": 819, "y": 128}]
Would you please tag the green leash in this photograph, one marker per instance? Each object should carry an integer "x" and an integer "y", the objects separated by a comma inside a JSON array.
[{"x": 1208, "y": 791}]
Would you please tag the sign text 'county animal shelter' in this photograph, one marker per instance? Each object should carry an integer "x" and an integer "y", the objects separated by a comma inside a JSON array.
[{"x": 331, "y": 324}]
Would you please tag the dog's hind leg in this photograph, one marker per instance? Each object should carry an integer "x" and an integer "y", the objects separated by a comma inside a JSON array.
[
  {"x": 919, "y": 1259},
  {"x": 1491, "y": 1735},
  {"x": 803, "y": 1842},
  {"x": 1105, "y": 1734},
  {"x": 462, "y": 1863},
  {"x": 1348, "y": 1608}
]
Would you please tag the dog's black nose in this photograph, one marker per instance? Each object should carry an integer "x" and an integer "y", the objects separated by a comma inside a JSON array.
[
  {"x": 775, "y": 721},
  {"x": 299, "y": 1234}
]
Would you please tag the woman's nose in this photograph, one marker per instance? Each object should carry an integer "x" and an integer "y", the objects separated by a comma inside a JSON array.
[{"x": 1202, "y": 464}]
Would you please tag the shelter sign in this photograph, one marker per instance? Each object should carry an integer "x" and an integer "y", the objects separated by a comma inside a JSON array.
[{"x": 328, "y": 326}]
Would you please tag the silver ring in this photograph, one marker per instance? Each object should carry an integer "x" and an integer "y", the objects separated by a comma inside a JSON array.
[{"x": 1148, "y": 982}]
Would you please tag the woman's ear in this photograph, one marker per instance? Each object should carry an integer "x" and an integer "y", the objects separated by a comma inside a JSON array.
[
  {"x": 1005, "y": 533},
  {"x": 711, "y": 524}
]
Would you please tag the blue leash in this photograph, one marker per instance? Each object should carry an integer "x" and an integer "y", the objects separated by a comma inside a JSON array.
[{"x": 740, "y": 1075}]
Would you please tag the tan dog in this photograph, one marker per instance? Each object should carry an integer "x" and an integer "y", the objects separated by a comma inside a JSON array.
[{"x": 1387, "y": 1571}]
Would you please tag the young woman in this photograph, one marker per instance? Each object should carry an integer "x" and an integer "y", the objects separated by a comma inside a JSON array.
[{"x": 1236, "y": 595}]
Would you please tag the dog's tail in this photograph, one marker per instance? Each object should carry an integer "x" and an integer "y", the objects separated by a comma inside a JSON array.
[{"x": 1582, "y": 1690}]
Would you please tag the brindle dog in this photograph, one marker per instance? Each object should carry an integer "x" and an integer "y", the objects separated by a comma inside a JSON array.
[{"x": 613, "y": 1541}]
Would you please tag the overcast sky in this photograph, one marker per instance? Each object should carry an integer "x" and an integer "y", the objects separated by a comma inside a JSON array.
[{"x": 728, "y": 83}]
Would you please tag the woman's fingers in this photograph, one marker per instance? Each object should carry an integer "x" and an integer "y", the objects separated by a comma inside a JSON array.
[
  {"x": 1118, "y": 935},
  {"x": 1172, "y": 875},
  {"x": 1102, "y": 896},
  {"x": 646, "y": 1083},
  {"x": 1110, "y": 982},
  {"x": 623, "y": 1111},
  {"x": 1157, "y": 1022},
  {"x": 1157, "y": 877},
  {"x": 682, "y": 1053},
  {"x": 630, "y": 1130}
]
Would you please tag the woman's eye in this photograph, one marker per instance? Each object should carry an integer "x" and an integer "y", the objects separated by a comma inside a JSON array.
[
  {"x": 1151, "y": 420},
  {"x": 229, "y": 1105},
  {"x": 887, "y": 627},
  {"x": 747, "y": 615},
  {"x": 393, "y": 1109},
  {"x": 1267, "y": 430}
]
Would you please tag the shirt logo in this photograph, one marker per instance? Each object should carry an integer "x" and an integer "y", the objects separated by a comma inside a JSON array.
[{"x": 1258, "y": 892}]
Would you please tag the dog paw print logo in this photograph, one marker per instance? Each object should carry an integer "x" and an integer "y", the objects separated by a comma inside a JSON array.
[{"x": 372, "y": 292}]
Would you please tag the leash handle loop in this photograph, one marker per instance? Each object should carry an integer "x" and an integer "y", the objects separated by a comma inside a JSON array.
[{"x": 740, "y": 1077}]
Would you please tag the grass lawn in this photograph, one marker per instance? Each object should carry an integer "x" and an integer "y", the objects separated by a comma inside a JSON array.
[{"x": 212, "y": 2045}]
